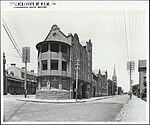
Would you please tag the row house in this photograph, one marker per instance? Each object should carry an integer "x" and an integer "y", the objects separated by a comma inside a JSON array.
[{"x": 15, "y": 80}]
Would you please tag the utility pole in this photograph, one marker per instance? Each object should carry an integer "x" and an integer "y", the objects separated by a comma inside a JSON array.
[
  {"x": 25, "y": 77},
  {"x": 77, "y": 70},
  {"x": 25, "y": 59},
  {"x": 130, "y": 68}
]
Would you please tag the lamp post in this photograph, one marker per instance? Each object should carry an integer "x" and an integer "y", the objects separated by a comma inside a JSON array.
[{"x": 77, "y": 70}]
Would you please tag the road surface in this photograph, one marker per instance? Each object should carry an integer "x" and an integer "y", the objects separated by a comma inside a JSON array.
[{"x": 95, "y": 111}]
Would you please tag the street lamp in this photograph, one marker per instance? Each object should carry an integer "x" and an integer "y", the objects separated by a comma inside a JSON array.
[{"x": 77, "y": 70}]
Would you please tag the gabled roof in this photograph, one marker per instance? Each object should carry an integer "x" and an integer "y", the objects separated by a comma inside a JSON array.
[
  {"x": 23, "y": 70},
  {"x": 56, "y": 35},
  {"x": 94, "y": 73},
  {"x": 14, "y": 77}
]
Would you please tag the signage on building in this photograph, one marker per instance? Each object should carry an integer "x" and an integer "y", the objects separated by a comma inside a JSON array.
[{"x": 26, "y": 54}]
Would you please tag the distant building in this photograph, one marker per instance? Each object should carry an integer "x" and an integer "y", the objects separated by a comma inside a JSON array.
[
  {"x": 120, "y": 91},
  {"x": 135, "y": 89},
  {"x": 142, "y": 76},
  {"x": 15, "y": 80},
  {"x": 57, "y": 56},
  {"x": 111, "y": 87},
  {"x": 102, "y": 83},
  {"x": 114, "y": 79}
]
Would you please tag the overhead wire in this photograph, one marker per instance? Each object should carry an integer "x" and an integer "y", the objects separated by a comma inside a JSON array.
[
  {"x": 11, "y": 38},
  {"x": 15, "y": 29},
  {"x": 21, "y": 28},
  {"x": 112, "y": 24},
  {"x": 119, "y": 17},
  {"x": 126, "y": 37},
  {"x": 109, "y": 25},
  {"x": 11, "y": 35},
  {"x": 114, "y": 17}
]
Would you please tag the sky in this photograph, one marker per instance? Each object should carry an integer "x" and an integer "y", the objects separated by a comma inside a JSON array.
[{"x": 118, "y": 32}]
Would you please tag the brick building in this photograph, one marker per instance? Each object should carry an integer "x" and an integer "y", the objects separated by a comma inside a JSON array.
[
  {"x": 100, "y": 83},
  {"x": 142, "y": 77},
  {"x": 135, "y": 89},
  {"x": 15, "y": 80},
  {"x": 94, "y": 85},
  {"x": 57, "y": 56}
]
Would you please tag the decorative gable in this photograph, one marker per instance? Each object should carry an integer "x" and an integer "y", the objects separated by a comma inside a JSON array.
[{"x": 56, "y": 35}]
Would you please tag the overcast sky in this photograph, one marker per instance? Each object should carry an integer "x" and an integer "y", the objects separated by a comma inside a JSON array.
[{"x": 113, "y": 27}]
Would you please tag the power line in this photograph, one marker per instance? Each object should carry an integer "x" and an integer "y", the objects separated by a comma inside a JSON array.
[
  {"x": 11, "y": 38},
  {"x": 109, "y": 25},
  {"x": 119, "y": 15},
  {"x": 126, "y": 35},
  {"x": 20, "y": 28}
]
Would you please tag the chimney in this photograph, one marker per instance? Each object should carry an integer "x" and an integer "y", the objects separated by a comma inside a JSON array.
[
  {"x": 69, "y": 34},
  {"x": 32, "y": 71},
  {"x": 13, "y": 64}
]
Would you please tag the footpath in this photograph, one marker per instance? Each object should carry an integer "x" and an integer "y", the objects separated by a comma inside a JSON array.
[
  {"x": 136, "y": 111},
  {"x": 33, "y": 99}
]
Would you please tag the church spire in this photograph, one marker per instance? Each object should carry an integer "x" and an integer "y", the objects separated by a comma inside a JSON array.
[{"x": 114, "y": 77}]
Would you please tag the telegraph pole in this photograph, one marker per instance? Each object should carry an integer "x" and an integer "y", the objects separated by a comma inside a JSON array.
[
  {"x": 77, "y": 70},
  {"x": 130, "y": 68},
  {"x": 25, "y": 77},
  {"x": 25, "y": 59}
]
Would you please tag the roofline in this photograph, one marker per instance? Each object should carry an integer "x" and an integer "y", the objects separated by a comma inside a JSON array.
[{"x": 49, "y": 41}]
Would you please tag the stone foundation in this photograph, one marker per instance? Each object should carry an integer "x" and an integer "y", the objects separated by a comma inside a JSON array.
[{"x": 53, "y": 94}]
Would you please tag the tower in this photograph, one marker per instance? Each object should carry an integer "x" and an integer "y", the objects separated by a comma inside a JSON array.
[{"x": 114, "y": 79}]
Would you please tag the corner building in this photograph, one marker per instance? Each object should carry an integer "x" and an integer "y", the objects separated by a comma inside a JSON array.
[{"x": 57, "y": 56}]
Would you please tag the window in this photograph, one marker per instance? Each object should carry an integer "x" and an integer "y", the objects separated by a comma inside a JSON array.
[
  {"x": 54, "y": 64},
  {"x": 54, "y": 79},
  {"x": 22, "y": 75},
  {"x": 12, "y": 73},
  {"x": 44, "y": 79},
  {"x": 64, "y": 66},
  {"x": 64, "y": 79},
  {"x": 64, "y": 48},
  {"x": 44, "y": 65},
  {"x": 44, "y": 48},
  {"x": 54, "y": 47},
  {"x": 54, "y": 34}
]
